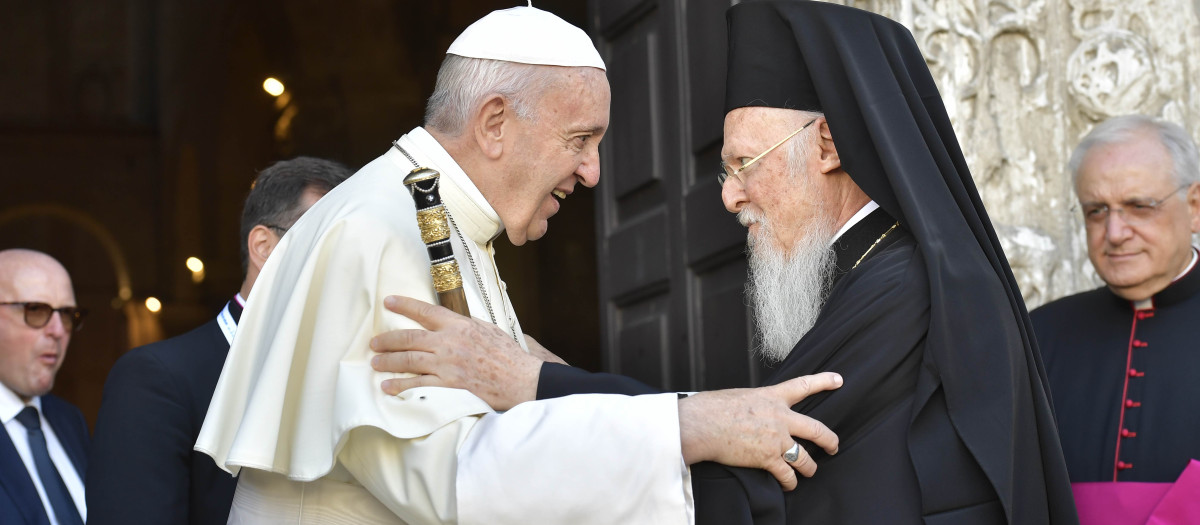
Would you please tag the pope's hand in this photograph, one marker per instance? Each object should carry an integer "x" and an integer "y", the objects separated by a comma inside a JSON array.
[
  {"x": 457, "y": 352},
  {"x": 753, "y": 427}
]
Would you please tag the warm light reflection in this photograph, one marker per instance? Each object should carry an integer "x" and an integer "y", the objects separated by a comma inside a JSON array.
[
  {"x": 273, "y": 86},
  {"x": 195, "y": 264},
  {"x": 153, "y": 304}
]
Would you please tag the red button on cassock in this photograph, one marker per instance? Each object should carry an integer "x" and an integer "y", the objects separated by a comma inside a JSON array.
[
  {"x": 1140, "y": 344},
  {"x": 1134, "y": 373},
  {"x": 1125, "y": 433},
  {"x": 1129, "y": 403},
  {"x": 1121, "y": 465}
]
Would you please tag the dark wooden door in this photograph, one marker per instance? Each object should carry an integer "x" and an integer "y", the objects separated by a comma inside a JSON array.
[{"x": 671, "y": 259}]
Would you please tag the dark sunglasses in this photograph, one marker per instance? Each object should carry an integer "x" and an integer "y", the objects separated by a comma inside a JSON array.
[{"x": 38, "y": 314}]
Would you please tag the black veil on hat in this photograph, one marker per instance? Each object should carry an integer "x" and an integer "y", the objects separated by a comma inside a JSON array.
[{"x": 867, "y": 75}]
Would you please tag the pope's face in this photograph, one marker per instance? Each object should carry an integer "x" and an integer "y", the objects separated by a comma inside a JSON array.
[
  {"x": 776, "y": 205},
  {"x": 30, "y": 357},
  {"x": 556, "y": 149},
  {"x": 1137, "y": 253}
]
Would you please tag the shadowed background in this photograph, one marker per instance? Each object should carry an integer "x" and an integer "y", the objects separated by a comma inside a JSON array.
[{"x": 130, "y": 132}]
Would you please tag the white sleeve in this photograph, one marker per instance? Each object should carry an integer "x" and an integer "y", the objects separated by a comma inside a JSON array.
[
  {"x": 584, "y": 459},
  {"x": 414, "y": 478},
  {"x": 579, "y": 459}
]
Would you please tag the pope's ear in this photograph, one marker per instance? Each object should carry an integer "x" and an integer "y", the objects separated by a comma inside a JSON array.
[
  {"x": 489, "y": 125},
  {"x": 828, "y": 158}
]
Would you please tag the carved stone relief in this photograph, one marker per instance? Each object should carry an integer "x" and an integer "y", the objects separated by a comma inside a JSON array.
[{"x": 1025, "y": 80}]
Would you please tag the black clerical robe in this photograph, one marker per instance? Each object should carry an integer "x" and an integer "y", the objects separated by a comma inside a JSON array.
[
  {"x": 872, "y": 331},
  {"x": 1124, "y": 378}
]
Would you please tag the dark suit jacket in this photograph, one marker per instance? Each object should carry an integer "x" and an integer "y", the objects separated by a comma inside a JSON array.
[
  {"x": 19, "y": 501},
  {"x": 143, "y": 468}
]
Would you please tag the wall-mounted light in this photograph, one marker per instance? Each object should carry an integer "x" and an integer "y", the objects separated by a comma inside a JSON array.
[
  {"x": 153, "y": 304},
  {"x": 286, "y": 111},
  {"x": 196, "y": 266},
  {"x": 273, "y": 86}
]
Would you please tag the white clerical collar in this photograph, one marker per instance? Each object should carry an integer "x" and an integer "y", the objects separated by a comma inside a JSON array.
[
  {"x": 11, "y": 404},
  {"x": 862, "y": 214},
  {"x": 472, "y": 213}
]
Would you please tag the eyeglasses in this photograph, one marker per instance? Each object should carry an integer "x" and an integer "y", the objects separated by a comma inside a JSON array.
[
  {"x": 726, "y": 174},
  {"x": 38, "y": 314},
  {"x": 1133, "y": 211}
]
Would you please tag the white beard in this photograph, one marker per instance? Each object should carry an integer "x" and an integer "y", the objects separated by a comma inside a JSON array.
[{"x": 787, "y": 290}]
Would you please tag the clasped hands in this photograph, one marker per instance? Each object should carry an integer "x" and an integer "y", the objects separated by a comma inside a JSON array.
[{"x": 745, "y": 427}]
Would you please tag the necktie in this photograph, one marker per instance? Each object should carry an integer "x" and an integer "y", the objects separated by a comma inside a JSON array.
[{"x": 56, "y": 491}]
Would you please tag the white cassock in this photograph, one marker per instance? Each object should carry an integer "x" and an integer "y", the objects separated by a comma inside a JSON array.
[{"x": 300, "y": 413}]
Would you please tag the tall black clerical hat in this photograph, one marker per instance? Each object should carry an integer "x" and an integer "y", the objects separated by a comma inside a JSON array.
[{"x": 893, "y": 135}]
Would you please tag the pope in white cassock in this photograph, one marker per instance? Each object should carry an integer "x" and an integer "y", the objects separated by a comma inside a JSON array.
[{"x": 298, "y": 412}]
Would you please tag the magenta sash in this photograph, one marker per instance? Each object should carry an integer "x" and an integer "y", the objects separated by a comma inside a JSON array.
[{"x": 1130, "y": 503}]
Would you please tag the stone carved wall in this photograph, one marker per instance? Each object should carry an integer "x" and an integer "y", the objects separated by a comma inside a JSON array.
[{"x": 1025, "y": 80}]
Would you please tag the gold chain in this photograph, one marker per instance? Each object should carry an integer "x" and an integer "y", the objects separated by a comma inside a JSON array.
[{"x": 864, "y": 255}]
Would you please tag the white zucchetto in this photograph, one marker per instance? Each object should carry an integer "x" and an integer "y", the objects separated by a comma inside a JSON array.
[{"x": 527, "y": 35}]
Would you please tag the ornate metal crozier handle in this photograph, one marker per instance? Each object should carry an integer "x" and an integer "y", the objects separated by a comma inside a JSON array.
[{"x": 435, "y": 231}]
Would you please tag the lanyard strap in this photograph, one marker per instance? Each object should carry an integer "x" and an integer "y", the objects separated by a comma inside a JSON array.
[{"x": 227, "y": 324}]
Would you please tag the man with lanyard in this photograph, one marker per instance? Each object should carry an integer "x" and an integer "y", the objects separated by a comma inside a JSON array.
[
  {"x": 1122, "y": 359},
  {"x": 143, "y": 468}
]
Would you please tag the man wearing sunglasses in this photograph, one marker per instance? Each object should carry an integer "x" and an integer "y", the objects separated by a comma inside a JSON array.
[
  {"x": 1122, "y": 359},
  {"x": 43, "y": 451}
]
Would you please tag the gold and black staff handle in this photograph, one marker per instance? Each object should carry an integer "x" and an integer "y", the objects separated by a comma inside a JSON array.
[{"x": 435, "y": 232}]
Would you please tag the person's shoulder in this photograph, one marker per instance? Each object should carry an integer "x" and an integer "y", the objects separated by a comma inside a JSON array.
[
  {"x": 52, "y": 403},
  {"x": 59, "y": 411},
  {"x": 897, "y": 267},
  {"x": 377, "y": 186},
  {"x": 372, "y": 203},
  {"x": 1075, "y": 305},
  {"x": 181, "y": 354}
]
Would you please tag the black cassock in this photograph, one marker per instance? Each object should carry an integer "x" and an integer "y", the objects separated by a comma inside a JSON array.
[
  {"x": 871, "y": 330},
  {"x": 1126, "y": 381}
]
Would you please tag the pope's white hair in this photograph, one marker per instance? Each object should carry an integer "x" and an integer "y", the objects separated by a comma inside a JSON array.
[
  {"x": 463, "y": 83},
  {"x": 1179, "y": 145}
]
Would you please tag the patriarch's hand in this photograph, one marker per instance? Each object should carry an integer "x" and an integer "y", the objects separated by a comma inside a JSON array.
[{"x": 456, "y": 352}]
